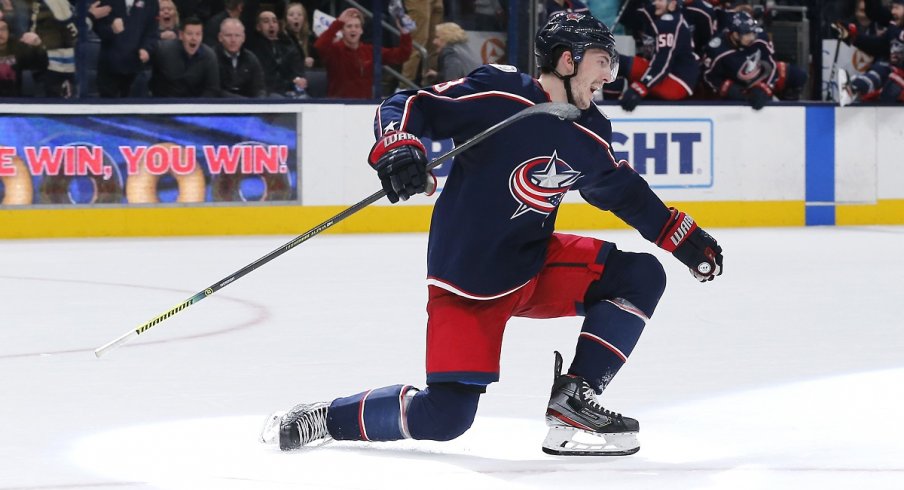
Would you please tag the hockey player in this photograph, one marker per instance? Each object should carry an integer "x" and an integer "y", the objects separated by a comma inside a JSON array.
[
  {"x": 493, "y": 253},
  {"x": 739, "y": 65},
  {"x": 668, "y": 68},
  {"x": 884, "y": 81}
]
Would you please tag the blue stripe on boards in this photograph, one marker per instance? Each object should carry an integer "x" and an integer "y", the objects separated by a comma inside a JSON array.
[{"x": 820, "y": 165}]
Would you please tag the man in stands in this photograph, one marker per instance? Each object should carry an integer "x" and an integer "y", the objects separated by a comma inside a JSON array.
[
  {"x": 186, "y": 67},
  {"x": 349, "y": 61}
]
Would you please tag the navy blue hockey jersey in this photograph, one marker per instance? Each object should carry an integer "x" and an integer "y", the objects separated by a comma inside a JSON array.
[
  {"x": 667, "y": 43},
  {"x": 744, "y": 65},
  {"x": 493, "y": 220}
]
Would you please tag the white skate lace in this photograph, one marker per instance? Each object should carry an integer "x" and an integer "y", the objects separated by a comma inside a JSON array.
[
  {"x": 590, "y": 399},
  {"x": 312, "y": 425}
]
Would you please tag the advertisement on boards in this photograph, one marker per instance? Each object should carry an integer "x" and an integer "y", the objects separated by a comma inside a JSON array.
[{"x": 144, "y": 159}]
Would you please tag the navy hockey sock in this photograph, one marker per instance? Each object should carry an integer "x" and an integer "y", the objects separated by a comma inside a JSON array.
[
  {"x": 441, "y": 412},
  {"x": 610, "y": 332},
  {"x": 375, "y": 415},
  {"x": 617, "y": 308}
]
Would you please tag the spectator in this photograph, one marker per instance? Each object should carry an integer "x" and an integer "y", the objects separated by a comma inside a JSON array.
[
  {"x": 739, "y": 65},
  {"x": 15, "y": 57},
  {"x": 241, "y": 74},
  {"x": 13, "y": 13},
  {"x": 282, "y": 63},
  {"x": 349, "y": 62},
  {"x": 185, "y": 67},
  {"x": 668, "y": 68},
  {"x": 426, "y": 14},
  {"x": 52, "y": 24},
  {"x": 128, "y": 37},
  {"x": 232, "y": 10},
  {"x": 298, "y": 28},
  {"x": 168, "y": 20},
  {"x": 455, "y": 57}
]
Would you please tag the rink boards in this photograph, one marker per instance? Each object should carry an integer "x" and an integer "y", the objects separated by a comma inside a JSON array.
[{"x": 727, "y": 165}]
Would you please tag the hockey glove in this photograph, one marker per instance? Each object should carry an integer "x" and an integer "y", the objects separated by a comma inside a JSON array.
[
  {"x": 730, "y": 90},
  {"x": 691, "y": 245},
  {"x": 401, "y": 163},
  {"x": 632, "y": 96},
  {"x": 759, "y": 95}
]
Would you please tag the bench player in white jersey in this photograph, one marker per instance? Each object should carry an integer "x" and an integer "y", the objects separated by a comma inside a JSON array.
[{"x": 493, "y": 252}]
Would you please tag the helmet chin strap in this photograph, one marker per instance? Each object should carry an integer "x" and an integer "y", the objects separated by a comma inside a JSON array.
[{"x": 566, "y": 79}]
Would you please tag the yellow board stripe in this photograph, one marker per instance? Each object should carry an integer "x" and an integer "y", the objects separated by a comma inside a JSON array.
[
  {"x": 293, "y": 220},
  {"x": 884, "y": 212}
]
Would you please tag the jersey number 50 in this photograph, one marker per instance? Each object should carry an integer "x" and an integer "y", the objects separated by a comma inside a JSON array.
[{"x": 666, "y": 40}]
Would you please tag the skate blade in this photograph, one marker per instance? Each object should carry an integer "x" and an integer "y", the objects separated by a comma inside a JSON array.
[
  {"x": 569, "y": 441},
  {"x": 270, "y": 431}
]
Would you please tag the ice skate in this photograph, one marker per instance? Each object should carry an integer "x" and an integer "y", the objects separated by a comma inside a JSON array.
[
  {"x": 580, "y": 426},
  {"x": 304, "y": 425},
  {"x": 845, "y": 94}
]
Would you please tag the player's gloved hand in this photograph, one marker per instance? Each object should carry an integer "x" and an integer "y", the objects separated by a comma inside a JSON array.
[
  {"x": 759, "y": 95},
  {"x": 846, "y": 33},
  {"x": 730, "y": 90},
  {"x": 632, "y": 96},
  {"x": 401, "y": 163},
  {"x": 691, "y": 245}
]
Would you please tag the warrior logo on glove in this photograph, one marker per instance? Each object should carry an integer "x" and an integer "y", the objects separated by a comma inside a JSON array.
[
  {"x": 695, "y": 248},
  {"x": 401, "y": 163}
]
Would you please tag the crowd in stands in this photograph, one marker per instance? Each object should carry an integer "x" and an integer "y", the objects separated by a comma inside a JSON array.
[{"x": 686, "y": 49}]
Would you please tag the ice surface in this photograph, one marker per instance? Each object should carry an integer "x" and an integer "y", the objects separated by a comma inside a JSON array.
[{"x": 785, "y": 373}]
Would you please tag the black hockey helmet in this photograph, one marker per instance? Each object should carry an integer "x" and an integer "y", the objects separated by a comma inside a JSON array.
[
  {"x": 576, "y": 33},
  {"x": 742, "y": 23}
]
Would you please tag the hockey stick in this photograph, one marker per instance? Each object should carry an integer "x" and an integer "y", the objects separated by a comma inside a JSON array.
[
  {"x": 561, "y": 110},
  {"x": 618, "y": 17},
  {"x": 830, "y": 94}
]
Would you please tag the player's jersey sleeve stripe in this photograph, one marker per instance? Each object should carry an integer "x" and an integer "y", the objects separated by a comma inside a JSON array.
[
  {"x": 682, "y": 83},
  {"x": 599, "y": 140},
  {"x": 406, "y": 112},
  {"x": 432, "y": 281},
  {"x": 665, "y": 66}
]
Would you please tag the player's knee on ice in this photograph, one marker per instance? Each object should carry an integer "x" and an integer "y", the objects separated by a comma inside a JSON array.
[
  {"x": 636, "y": 277},
  {"x": 443, "y": 411}
]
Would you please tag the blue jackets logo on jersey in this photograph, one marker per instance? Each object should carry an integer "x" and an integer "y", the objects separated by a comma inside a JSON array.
[{"x": 539, "y": 184}]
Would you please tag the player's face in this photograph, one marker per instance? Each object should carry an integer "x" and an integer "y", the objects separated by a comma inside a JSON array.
[
  {"x": 232, "y": 36},
  {"x": 660, "y": 7},
  {"x": 351, "y": 32},
  {"x": 594, "y": 71},
  {"x": 747, "y": 39},
  {"x": 191, "y": 36}
]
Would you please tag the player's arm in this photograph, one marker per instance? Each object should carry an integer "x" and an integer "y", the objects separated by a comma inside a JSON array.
[
  {"x": 628, "y": 196},
  {"x": 438, "y": 112},
  {"x": 714, "y": 72},
  {"x": 760, "y": 92},
  {"x": 671, "y": 35}
]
